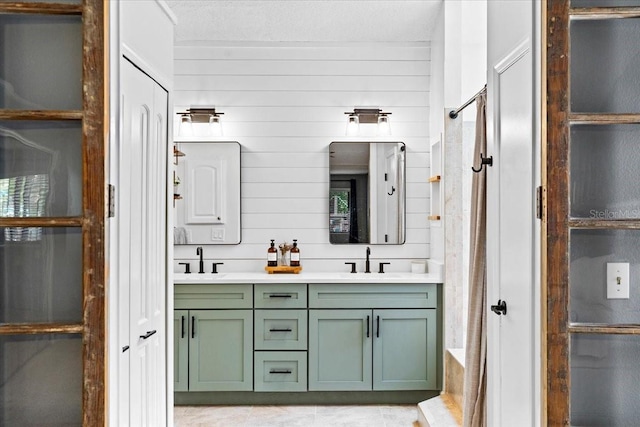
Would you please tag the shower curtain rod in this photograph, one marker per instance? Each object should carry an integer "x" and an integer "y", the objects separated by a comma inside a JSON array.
[{"x": 454, "y": 113}]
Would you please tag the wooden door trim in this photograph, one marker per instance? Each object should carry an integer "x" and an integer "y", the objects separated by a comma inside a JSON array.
[
  {"x": 556, "y": 236},
  {"x": 94, "y": 136}
]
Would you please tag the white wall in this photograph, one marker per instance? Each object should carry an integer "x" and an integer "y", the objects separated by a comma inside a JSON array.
[{"x": 285, "y": 103}]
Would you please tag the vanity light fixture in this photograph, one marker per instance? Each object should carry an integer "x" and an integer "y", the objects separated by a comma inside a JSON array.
[
  {"x": 384, "y": 129},
  {"x": 186, "y": 125},
  {"x": 200, "y": 115},
  {"x": 368, "y": 115},
  {"x": 353, "y": 126}
]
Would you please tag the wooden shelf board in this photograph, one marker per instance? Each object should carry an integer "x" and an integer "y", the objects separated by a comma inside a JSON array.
[
  {"x": 40, "y": 114},
  {"x": 619, "y": 224},
  {"x": 41, "y": 222},
  {"x": 40, "y": 328},
  {"x": 585, "y": 13},
  {"x": 603, "y": 119},
  {"x": 603, "y": 328},
  {"x": 41, "y": 8}
]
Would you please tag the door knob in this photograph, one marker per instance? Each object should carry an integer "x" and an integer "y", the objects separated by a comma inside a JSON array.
[{"x": 500, "y": 308}]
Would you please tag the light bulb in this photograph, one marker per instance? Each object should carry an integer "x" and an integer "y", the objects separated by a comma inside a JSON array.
[
  {"x": 353, "y": 126},
  {"x": 215, "y": 127},
  {"x": 186, "y": 126},
  {"x": 384, "y": 129}
]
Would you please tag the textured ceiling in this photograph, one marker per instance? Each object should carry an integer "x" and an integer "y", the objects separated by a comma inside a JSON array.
[{"x": 203, "y": 21}]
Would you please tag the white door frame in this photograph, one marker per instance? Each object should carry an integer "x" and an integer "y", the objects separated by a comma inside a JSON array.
[{"x": 529, "y": 303}]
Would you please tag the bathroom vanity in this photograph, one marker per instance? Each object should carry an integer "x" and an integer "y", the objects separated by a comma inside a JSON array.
[{"x": 307, "y": 338}]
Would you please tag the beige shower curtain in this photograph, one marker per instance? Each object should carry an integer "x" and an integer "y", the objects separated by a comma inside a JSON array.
[{"x": 475, "y": 381}]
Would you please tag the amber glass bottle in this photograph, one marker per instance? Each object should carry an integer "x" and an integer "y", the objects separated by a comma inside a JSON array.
[
  {"x": 272, "y": 255},
  {"x": 294, "y": 261}
]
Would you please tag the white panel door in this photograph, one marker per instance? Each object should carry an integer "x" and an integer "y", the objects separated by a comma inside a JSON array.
[
  {"x": 142, "y": 234},
  {"x": 512, "y": 228}
]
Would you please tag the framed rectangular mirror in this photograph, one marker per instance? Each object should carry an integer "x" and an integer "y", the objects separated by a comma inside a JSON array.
[
  {"x": 367, "y": 192},
  {"x": 206, "y": 187}
]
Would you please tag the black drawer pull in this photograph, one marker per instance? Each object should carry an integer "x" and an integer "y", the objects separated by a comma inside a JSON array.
[
  {"x": 182, "y": 326},
  {"x": 378, "y": 326},
  {"x": 193, "y": 326},
  {"x": 280, "y": 330},
  {"x": 148, "y": 334},
  {"x": 280, "y": 371},
  {"x": 367, "y": 326},
  {"x": 280, "y": 296}
]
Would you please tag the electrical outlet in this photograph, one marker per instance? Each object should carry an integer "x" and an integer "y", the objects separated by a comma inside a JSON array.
[
  {"x": 617, "y": 280},
  {"x": 217, "y": 234}
]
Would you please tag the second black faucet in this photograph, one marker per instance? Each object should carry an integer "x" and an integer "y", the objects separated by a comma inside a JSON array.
[
  {"x": 367, "y": 267},
  {"x": 199, "y": 253}
]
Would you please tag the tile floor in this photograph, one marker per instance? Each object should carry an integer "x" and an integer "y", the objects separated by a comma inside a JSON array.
[{"x": 294, "y": 416}]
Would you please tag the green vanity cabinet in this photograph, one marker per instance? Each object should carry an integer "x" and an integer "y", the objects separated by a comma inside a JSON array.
[
  {"x": 356, "y": 343},
  {"x": 217, "y": 351}
]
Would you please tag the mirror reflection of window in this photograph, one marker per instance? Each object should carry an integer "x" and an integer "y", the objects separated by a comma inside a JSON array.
[{"x": 339, "y": 214}]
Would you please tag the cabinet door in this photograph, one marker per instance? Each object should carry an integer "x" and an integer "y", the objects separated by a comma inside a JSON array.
[
  {"x": 340, "y": 349},
  {"x": 180, "y": 350},
  {"x": 404, "y": 350},
  {"x": 220, "y": 350}
]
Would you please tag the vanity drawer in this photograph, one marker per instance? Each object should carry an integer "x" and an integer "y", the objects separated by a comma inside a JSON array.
[
  {"x": 280, "y": 371},
  {"x": 376, "y": 295},
  {"x": 213, "y": 296},
  {"x": 280, "y": 329},
  {"x": 280, "y": 296}
]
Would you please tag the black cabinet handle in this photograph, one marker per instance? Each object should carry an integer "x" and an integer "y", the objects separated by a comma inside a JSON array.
[
  {"x": 125, "y": 348},
  {"x": 367, "y": 326},
  {"x": 148, "y": 334},
  {"x": 280, "y": 330},
  {"x": 182, "y": 326},
  {"x": 193, "y": 326},
  {"x": 378, "y": 326},
  {"x": 280, "y": 295},
  {"x": 280, "y": 371}
]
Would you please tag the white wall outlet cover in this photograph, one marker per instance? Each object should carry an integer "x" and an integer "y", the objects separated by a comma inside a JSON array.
[{"x": 617, "y": 280}]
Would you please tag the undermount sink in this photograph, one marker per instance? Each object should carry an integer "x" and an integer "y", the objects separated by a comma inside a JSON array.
[
  {"x": 370, "y": 276},
  {"x": 197, "y": 278}
]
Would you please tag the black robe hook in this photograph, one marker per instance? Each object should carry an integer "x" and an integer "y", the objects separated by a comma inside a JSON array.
[{"x": 483, "y": 161}]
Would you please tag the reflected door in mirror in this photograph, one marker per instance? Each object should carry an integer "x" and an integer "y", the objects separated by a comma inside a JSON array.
[
  {"x": 367, "y": 192},
  {"x": 207, "y": 183}
]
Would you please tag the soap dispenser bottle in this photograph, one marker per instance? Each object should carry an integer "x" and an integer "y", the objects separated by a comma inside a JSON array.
[
  {"x": 294, "y": 261},
  {"x": 272, "y": 255}
]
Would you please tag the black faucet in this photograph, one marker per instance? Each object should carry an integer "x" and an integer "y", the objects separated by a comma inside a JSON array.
[
  {"x": 367, "y": 268},
  {"x": 199, "y": 252}
]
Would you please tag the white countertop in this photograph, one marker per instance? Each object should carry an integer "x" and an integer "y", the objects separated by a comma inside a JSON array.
[{"x": 240, "y": 278}]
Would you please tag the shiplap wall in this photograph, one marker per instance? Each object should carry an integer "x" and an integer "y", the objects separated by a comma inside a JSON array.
[{"x": 285, "y": 105}]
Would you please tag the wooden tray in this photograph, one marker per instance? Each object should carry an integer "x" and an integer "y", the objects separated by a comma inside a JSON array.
[{"x": 283, "y": 269}]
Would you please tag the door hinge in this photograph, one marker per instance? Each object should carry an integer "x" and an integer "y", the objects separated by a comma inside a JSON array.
[
  {"x": 539, "y": 202},
  {"x": 111, "y": 205}
]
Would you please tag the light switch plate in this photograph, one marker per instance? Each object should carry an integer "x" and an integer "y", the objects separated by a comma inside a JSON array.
[{"x": 617, "y": 280}]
